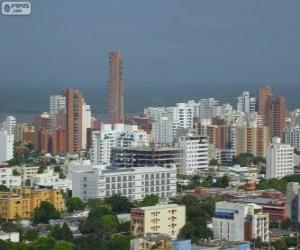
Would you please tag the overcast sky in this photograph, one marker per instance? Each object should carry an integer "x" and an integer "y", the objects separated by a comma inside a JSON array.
[{"x": 164, "y": 42}]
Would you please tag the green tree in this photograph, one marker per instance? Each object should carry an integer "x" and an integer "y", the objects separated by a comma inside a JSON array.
[
  {"x": 41, "y": 169},
  {"x": 31, "y": 235},
  {"x": 150, "y": 200},
  {"x": 120, "y": 242},
  {"x": 119, "y": 204},
  {"x": 4, "y": 188},
  {"x": 214, "y": 162},
  {"x": 45, "y": 212},
  {"x": 15, "y": 172},
  {"x": 61, "y": 232},
  {"x": 124, "y": 227},
  {"x": 98, "y": 212},
  {"x": 243, "y": 160},
  {"x": 187, "y": 232},
  {"x": 45, "y": 243},
  {"x": 280, "y": 245},
  {"x": 91, "y": 242},
  {"x": 57, "y": 169},
  {"x": 74, "y": 204},
  {"x": 63, "y": 245},
  {"x": 92, "y": 203},
  {"x": 287, "y": 224},
  {"x": 223, "y": 182}
]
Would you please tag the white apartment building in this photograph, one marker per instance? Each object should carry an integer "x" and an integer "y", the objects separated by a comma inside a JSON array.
[
  {"x": 134, "y": 183},
  {"x": 8, "y": 179},
  {"x": 246, "y": 103},
  {"x": 164, "y": 131},
  {"x": 117, "y": 135},
  {"x": 57, "y": 103},
  {"x": 50, "y": 179},
  {"x": 291, "y": 136},
  {"x": 165, "y": 219},
  {"x": 27, "y": 172},
  {"x": 156, "y": 113},
  {"x": 86, "y": 123},
  {"x": 6, "y": 146},
  {"x": 240, "y": 222},
  {"x": 279, "y": 162},
  {"x": 208, "y": 108},
  {"x": 10, "y": 125},
  {"x": 184, "y": 115},
  {"x": 194, "y": 153}
]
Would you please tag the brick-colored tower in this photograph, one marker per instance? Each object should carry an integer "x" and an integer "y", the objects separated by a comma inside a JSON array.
[
  {"x": 74, "y": 102},
  {"x": 263, "y": 94},
  {"x": 115, "y": 88},
  {"x": 275, "y": 115}
]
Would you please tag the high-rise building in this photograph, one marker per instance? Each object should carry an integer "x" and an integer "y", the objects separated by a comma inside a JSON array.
[
  {"x": 246, "y": 103},
  {"x": 275, "y": 116},
  {"x": 10, "y": 125},
  {"x": 164, "y": 131},
  {"x": 74, "y": 102},
  {"x": 194, "y": 153},
  {"x": 6, "y": 146},
  {"x": 291, "y": 135},
  {"x": 119, "y": 135},
  {"x": 252, "y": 139},
  {"x": 86, "y": 123},
  {"x": 279, "y": 162},
  {"x": 115, "y": 88},
  {"x": 57, "y": 104},
  {"x": 263, "y": 93}
]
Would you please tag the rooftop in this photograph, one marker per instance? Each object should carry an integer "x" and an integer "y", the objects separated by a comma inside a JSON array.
[{"x": 160, "y": 207}]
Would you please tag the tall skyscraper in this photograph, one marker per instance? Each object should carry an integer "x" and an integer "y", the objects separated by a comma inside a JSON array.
[
  {"x": 275, "y": 115},
  {"x": 57, "y": 104},
  {"x": 246, "y": 103},
  {"x": 263, "y": 94},
  {"x": 74, "y": 101},
  {"x": 115, "y": 88}
]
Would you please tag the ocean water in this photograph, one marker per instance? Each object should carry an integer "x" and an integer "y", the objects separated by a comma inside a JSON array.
[{"x": 26, "y": 101}]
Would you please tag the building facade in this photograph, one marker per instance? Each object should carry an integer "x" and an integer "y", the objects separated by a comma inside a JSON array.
[
  {"x": 139, "y": 157},
  {"x": 21, "y": 203},
  {"x": 6, "y": 146},
  {"x": 240, "y": 222},
  {"x": 74, "y": 102},
  {"x": 134, "y": 183},
  {"x": 279, "y": 162},
  {"x": 115, "y": 135},
  {"x": 161, "y": 219},
  {"x": 115, "y": 88},
  {"x": 194, "y": 153}
]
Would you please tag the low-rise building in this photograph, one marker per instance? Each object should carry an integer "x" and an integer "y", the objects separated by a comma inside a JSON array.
[
  {"x": 240, "y": 222},
  {"x": 159, "y": 241},
  {"x": 161, "y": 219},
  {"x": 8, "y": 178},
  {"x": 21, "y": 203},
  {"x": 12, "y": 237},
  {"x": 272, "y": 201},
  {"x": 101, "y": 181}
]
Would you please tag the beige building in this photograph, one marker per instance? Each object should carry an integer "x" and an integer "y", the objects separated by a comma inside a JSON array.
[
  {"x": 254, "y": 140},
  {"x": 161, "y": 219},
  {"x": 22, "y": 202}
]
